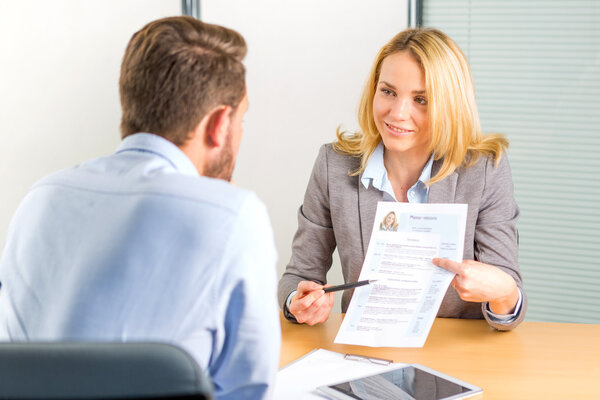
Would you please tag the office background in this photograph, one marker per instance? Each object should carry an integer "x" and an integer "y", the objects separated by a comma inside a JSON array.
[{"x": 537, "y": 74}]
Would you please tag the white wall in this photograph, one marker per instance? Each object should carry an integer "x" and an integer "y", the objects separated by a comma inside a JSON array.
[
  {"x": 59, "y": 94},
  {"x": 307, "y": 62}
]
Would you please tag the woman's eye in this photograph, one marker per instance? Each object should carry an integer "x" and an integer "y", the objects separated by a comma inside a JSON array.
[
  {"x": 421, "y": 100},
  {"x": 387, "y": 92}
]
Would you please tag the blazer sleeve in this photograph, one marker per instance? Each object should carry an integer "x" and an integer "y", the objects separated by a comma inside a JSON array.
[
  {"x": 496, "y": 236},
  {"x": 314, "y": 241}
]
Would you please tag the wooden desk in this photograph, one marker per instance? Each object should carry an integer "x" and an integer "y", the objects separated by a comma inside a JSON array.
[{"x": 538, "y": 360}]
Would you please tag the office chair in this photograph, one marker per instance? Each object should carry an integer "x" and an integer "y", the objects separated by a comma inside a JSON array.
[{"x": 84, "y": 370}]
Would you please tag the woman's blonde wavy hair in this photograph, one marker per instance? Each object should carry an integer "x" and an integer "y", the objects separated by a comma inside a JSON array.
[{"x": 455, "y": 129}]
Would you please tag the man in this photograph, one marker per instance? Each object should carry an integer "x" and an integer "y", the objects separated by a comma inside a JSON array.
[{"x": 146, "y": 244}]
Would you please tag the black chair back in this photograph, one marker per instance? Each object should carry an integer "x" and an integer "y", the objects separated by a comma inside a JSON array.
[{"x": 84, "y": 370}]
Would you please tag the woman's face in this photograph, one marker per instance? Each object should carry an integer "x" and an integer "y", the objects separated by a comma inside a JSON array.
[
  {"x": 389, "y": 220},
  {"x": 400, "y": 105}
]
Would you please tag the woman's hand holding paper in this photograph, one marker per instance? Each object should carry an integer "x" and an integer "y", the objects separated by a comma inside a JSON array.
[{"x": 479, "y": 282}]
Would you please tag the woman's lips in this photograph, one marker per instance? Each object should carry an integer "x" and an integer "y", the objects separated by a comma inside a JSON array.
[{"x": 397, "y": 131}]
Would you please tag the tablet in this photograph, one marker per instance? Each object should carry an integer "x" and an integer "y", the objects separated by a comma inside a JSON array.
[{"x": 411, "y": 382}]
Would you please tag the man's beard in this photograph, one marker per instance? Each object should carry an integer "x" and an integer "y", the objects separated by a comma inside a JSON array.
[{"x": 222, "y": 167}]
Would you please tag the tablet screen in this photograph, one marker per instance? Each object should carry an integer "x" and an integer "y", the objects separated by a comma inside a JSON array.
[{"x": 407, "y": 383}]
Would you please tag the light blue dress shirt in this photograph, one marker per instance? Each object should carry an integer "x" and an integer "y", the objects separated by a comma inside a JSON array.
[
  {"x": 376, "y": 174},
  {"x": 137, "y": 246}
]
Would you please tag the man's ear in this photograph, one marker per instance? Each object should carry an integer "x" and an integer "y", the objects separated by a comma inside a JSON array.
[{"x": 217, "y": 126}]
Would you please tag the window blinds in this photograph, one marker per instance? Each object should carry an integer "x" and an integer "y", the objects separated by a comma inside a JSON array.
[{"x": 536, "y": 67}]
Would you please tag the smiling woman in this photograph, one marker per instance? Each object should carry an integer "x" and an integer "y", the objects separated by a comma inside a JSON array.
[
  {"x": 436, "y": 75},
  {"x": 400, "y": 115},
  {"x": 420, "y": 141}
]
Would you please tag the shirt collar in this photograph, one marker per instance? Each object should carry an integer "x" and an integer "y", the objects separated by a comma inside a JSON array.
[
  {"x": 376, "y": 174},
  {"x": 426, "y": 173},
  {"x": 159, "y": 146}
]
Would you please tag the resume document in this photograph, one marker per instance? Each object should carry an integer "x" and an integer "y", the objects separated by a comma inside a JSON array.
[{"x": 399, "y": 309}]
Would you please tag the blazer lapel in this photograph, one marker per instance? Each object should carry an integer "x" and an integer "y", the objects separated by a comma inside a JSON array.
[
  {"x": 367, "y": 207},
  {"x": 444, "y": 190}
]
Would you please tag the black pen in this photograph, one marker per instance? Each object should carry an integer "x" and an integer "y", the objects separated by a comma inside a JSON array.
[{"x": 348, "y": 285}]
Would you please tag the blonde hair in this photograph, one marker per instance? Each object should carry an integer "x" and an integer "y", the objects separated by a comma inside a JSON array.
[{"x": 455, "y": 129}]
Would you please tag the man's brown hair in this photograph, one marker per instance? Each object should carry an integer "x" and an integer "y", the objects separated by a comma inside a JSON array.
[{"x": 174, "y": 71}]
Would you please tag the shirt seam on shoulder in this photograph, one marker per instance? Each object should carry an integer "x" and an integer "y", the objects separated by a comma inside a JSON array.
[{"x": 180, "y": 197}]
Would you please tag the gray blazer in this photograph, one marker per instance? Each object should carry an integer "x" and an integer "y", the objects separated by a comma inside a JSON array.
[{"x": 339, "y": 211}]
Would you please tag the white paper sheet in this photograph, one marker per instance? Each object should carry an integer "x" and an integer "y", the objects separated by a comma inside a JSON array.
[
  {"x": 399, "y": 309},
  {"x": 300, "y": 379}
]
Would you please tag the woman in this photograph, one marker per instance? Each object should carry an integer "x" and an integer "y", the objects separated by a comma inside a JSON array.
[
  {"x": 420, "y": 141},
  {"x": 389, "y": 223}
]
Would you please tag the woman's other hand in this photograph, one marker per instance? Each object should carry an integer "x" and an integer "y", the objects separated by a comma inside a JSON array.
[{"x": 311, "y": 305}]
